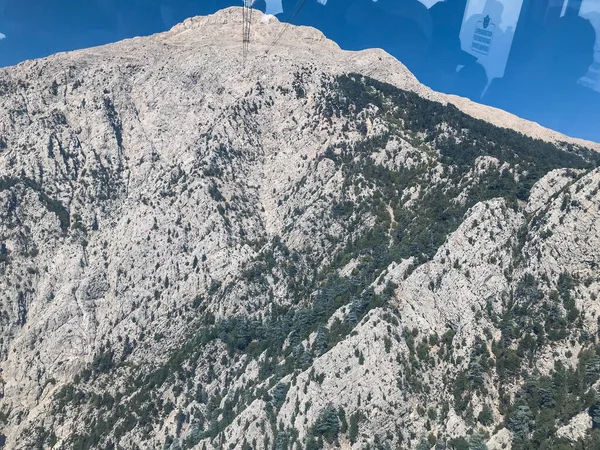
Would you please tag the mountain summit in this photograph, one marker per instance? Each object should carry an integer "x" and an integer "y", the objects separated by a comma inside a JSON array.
[{"x": 308, "y": 249}]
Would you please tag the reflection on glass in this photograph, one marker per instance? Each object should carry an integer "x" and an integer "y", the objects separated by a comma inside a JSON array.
[
  {"x": 487, "y": 32},
  {"x": 590, "y": 10}
]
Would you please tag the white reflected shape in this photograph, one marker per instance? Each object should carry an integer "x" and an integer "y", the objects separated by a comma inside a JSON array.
[
  {"x": 274, "y": 7},
  {"x": 590, "y": 10},
  {"x": 564, "y": 8},
  {"x": 487, "y": 32}
]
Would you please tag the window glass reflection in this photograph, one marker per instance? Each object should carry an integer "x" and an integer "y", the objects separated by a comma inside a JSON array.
[
  {"x": 590, "y": 10},
  {"x": 487, "y": 33}
]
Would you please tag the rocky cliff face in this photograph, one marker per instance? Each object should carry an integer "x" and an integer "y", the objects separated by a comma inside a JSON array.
[{"x": 307, "y": 249}]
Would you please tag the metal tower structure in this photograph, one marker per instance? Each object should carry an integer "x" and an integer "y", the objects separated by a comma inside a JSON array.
[{"x": 247, "y": 21}]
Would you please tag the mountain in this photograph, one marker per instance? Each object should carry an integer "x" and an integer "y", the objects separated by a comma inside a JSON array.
[{"x": 305, "y": 249}]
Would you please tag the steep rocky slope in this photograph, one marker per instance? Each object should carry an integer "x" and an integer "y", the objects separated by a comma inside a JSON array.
[{"x": 305, "y": 250}]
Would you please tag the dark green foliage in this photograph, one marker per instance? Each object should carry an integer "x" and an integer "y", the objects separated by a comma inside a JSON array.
[
  {"x": 423, "y": 445},
  {"x": 313, "y": 444},
  {"x": 530, "y": 320},
  {"x": 297, "y": 85},
  {"x": 114, "y": 121},
  {"x": 327, "y": 424},
  {"x": 321, "y": 345},
  {"x": 527, "y": 293},
  {"x": 592, "y": 441},
  {"x": 42, "y": 436},
  {"x": 279, "y": 393},
  {"x": 104, "y": 360},
  {"x": 249, "y": 336},
  {"x": 424, "y": 116},
  {"x": 477, "y": 442},
  {"x": 547, "y": 402},
  {"x": 353, "y": 429},
  {"x": 472, "y": 379},
  {"x": 3, "y": 252},
  {"x": 565, "y": 288},
  {"x": 180, "y": 419},
  {"x": 461, "y": 392},
  {"x": 420, "y": 230},
  {"x": 459, "y": 443},
  {"x": 281, "y": 442},
  {"x": 520, "y": 422},
  {"x": 215, "y": 193},
  {"x": 343, "y": 422},
  {"x": 486, "y": 416},
  {"x": 594, "y": 412}
]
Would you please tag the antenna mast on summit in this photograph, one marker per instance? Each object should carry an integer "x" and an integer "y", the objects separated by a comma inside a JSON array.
[{"x": 247, "y": 21}]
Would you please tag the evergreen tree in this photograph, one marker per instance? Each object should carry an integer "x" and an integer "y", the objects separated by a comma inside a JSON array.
[
  {"x": 477, "y": 442},
  {"x": 194, "y": 436},
  {"x": 279, "y": 394},
  {"x": 312, "y": 444},
  {"x": 327, "y": 424},
  {"x": 423, "y": 445},
  {"x": 343, "y": 422},
  {"x": 353, "y": 429},
  {"x": 592, "y": 367},
  {"x": 321, "y": 345},
  {"x": 594, "y": 412},
  {"x": 281, "y": 442},
  {"x": 352, "y": 316},
  {"x": 521, "y": 422}
]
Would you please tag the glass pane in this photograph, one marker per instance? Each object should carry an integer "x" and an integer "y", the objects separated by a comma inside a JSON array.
[
  {"x": 590, "y": 10},
  {"x": 487, "y": 32}
]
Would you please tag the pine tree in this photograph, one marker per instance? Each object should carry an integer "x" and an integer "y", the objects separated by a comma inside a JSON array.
[
  {"x": 423, "y": 445},
  {"x": 353, "y": 312},
  {"x": 327, "y": 424},
  {"x": 353, "y": 429},
  {"x": 594, "y": 412},
  {"x": 343, "y": 422},
  {"x": 281, "y": 443},
  {"x": 477, "y": 442},
  {"x": 321, "y": 345},
  {"x": 279, "y": 394},
  {"x": 521, "y": 422}
]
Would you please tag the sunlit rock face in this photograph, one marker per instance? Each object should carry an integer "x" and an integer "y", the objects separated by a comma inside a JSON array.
[{"x": 303, "y": 249}]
